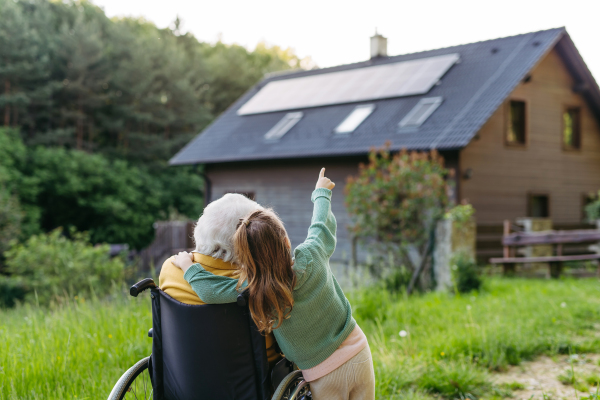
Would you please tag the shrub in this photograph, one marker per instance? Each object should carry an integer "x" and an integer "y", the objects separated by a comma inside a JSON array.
[
  {"x": 11, "y": 291},
  {"x": 592, "y": 210},
  {"x": 50, "y": 266},
  {"x": 395, "y": 202},
  {"x": 466, "y": 275}
]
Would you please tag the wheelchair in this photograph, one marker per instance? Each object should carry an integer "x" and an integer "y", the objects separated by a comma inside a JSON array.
[{"x": 206, "y": 352}]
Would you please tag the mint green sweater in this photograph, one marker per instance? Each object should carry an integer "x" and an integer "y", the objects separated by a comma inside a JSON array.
[{"x": 322, "y": 317}]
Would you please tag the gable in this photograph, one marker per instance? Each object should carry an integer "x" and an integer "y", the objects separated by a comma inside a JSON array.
[
  {"x": 502, "y": 177},
  {"x": 468, "y": 94}
]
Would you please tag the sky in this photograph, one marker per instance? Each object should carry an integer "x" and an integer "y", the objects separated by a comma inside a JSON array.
[{"x": 334, "y": 32}]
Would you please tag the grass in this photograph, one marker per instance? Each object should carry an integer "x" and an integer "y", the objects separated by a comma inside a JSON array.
[{"x": 453, "y": 343}]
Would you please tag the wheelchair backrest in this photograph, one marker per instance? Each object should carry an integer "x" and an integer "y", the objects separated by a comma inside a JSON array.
[{"x": 206, "y": 352}]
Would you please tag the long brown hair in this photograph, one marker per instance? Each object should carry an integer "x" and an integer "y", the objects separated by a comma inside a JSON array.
[{"x": 263, "y": 252}]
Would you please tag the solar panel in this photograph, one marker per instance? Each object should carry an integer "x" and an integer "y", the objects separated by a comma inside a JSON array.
[
  {"x": 420, "y": 112},
  {"x": 399, "y": 79},
  {"x": 355, "y": 118},
  {"x": 283, "y": 126}
]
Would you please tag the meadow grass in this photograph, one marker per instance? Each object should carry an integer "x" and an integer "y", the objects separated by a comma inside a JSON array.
[{"x": 452, "y": 342}]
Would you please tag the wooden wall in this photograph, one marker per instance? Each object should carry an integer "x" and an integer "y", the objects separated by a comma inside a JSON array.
[
  {"x": 286, "y": 186},
  {"x": 503, "y": 176}
]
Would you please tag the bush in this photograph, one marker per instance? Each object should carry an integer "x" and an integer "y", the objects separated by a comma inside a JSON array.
[
  {"x": 592, "y": 210},
  {"x": 49, "y": 267},
  {"x": 466, "y": 274},
  {"x": 11, "y": 291},
  {"x": 395, "y": 202}
]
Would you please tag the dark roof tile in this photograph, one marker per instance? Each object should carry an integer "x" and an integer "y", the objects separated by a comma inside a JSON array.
[{"x": 472, "y": 90}]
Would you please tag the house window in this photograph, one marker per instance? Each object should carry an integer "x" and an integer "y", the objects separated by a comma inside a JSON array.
[
  {"x": 515, "y": 134},
  {"x": 249, "y": 195},
  {"x": 572, "y": 129},
  {"x": 538, "y": 205}
]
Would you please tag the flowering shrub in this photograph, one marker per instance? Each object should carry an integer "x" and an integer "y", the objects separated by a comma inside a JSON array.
[{"x": 396, "y": 199}]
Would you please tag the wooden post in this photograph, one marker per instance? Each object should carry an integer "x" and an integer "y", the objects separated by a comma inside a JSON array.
[
  {"x": 555, "y": 269},
  {"x": 506, "y": 233},
  {"x": 509, "y": 269},
  {"x": 353, "y": 257}
]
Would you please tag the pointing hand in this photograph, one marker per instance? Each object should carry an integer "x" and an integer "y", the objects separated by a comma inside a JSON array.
[{"x": 324, "y": 182}]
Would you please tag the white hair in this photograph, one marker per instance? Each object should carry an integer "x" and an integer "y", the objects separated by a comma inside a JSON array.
[{"x": 214, "y": 230}]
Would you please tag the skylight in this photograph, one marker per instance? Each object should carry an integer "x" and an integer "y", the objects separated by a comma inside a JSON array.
[
  {"x": 356, "y": 117},
  {"x": 284, "y": 125},
  {"x": 420, "y": 112}
]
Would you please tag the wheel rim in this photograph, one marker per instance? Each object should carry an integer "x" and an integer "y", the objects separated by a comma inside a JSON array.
[
  {"x": 140, "y": 387},
  {"x": 297, "y": 389},
  {"x": 301, "y": 392}
]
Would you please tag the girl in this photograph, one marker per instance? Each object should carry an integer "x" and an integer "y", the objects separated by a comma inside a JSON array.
[{"x": 298, "y": 299}]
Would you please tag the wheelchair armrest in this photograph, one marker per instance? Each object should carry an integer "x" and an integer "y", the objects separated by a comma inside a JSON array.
[
  {"x": 142, "y": 285},
  {"x": 242, "y": 298}
]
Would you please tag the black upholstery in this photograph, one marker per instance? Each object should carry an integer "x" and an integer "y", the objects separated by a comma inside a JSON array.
[{"x": 206, "y": 352}]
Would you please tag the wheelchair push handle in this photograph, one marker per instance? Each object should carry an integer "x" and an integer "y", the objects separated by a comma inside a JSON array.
[
  {"x": 142, "y": 285},
  {"x": 242, "y": 298}
]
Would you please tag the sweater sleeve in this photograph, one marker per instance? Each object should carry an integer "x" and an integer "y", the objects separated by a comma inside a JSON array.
[
  {"x": 212, "y": 289},
  {"x": 320, "y": 241},
  {"x": 321, "y": 233}
]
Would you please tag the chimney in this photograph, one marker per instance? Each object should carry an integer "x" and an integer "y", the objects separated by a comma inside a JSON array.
[{"x": 378, "y": 45}]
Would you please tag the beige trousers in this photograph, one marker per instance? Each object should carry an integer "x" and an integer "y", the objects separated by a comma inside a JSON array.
[{"x": 353, "y": 380}]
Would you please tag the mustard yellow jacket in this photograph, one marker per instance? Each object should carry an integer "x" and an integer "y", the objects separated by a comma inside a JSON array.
[{"x": 172, "y": 283}]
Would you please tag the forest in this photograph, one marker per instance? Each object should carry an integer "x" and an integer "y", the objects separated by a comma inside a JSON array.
[{"x": 91, "y": 110}]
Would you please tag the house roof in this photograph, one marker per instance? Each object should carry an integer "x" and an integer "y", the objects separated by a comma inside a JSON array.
[{"x": 472, "y": 90}]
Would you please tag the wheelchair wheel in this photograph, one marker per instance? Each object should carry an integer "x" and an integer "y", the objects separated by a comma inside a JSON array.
[
  {"x": 133, "y": 384},
  {"x": 293, "y": 387}
]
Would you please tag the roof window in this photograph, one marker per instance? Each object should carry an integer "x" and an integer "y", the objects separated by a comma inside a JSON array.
[
  {"x": 355, "y": 118},
  {"x": 420, "y": 112},
  {"x": 284, "y": 125}
]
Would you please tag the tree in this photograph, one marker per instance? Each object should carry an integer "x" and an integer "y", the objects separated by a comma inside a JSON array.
[
  {"x": 395, "y": 202},
  {"x": 115, "y": 202},
  {"x": 16, "y": 220},
  {"x": 25, "y": 53}
]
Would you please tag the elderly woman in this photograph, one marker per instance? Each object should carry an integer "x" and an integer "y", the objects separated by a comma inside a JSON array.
[{"x": 213, "y": 236}]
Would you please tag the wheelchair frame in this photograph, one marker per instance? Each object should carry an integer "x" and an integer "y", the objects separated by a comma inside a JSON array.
[{"x": 291, "y": 387}]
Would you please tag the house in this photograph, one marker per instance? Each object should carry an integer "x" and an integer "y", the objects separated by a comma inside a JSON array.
[{"x": 517, "y": 118}]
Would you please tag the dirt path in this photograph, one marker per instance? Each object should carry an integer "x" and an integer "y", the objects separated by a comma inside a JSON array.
[{"x": 540, "y": 378}]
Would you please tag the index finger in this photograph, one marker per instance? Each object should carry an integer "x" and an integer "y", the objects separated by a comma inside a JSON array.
[{"x": 322, "y": 173}]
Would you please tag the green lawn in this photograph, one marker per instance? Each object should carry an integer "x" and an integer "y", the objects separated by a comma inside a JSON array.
[{"x": 452, "y": 343}]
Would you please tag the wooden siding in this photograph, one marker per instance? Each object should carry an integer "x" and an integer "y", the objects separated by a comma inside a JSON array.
[
  {"x": 286, "y": 186},
  {"x": 503, "y": 176}
]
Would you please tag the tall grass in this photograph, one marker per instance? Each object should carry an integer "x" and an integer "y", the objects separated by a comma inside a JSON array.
[
  {"x": 452, "y": 343},
  {"x": 459, "y": 339},
  {"x": 77, "y": 351}
]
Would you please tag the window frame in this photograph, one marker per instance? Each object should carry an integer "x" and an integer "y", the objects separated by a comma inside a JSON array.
[
  {"x": 433, "y": 102},
  {"x": 507, "y": 123},
  {"x": 565, "y": 109},
  {"x": 370, "y": 106},
  {"x": 288, "y": 121},
  {"x": 530, "y": 196}
]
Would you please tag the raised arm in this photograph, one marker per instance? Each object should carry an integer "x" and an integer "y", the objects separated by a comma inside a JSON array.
[
  {"x": 212, "y": 289},
  {"x": 321, "y": 233}
]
